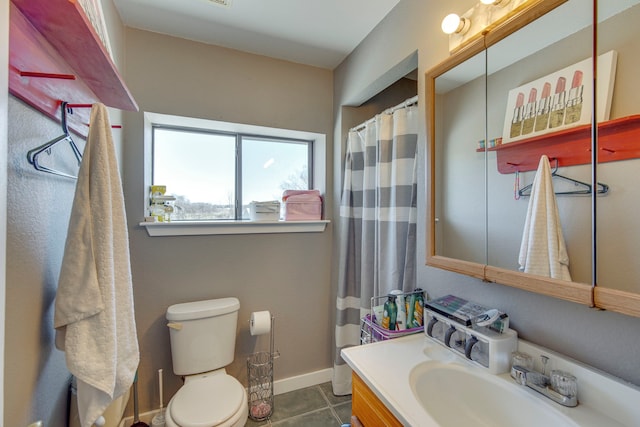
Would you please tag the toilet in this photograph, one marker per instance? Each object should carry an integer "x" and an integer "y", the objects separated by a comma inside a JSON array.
[{"x": 203, "y": 337}]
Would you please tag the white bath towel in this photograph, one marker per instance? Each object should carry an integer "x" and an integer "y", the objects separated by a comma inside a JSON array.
[
  {"x": 543, "y": 250},
  {"x": 94, "y": 317}
]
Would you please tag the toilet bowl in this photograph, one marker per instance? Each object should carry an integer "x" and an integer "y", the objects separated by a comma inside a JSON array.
[
  {"x": 208, "y": 400},
  {"x": 202, "y": 337}
]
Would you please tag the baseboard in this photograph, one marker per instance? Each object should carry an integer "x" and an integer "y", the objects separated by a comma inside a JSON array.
[
  {"x": 301, "y": 381},
  {"x": 279, "y": 387}
]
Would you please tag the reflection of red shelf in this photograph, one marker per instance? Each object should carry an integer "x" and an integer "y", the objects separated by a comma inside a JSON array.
[{"x": 618, "y": 139}]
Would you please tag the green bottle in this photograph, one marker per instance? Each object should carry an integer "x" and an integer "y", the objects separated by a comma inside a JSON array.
[
  {"x": 410, "y": 301},
  {"x": 390, "y": 313},
  {"x": 418, "y": 308}
]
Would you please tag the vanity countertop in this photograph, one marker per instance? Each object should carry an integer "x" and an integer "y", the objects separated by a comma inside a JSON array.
[{"x": 386, "y": 367}]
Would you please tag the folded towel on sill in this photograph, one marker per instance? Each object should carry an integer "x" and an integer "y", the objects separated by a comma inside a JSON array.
[
  {"x": 543, "y": 251},
  {"x": 94, "y": 317}
]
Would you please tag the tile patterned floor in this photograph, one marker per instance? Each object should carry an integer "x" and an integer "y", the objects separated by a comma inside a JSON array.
[{"x": 314, "y": 406}]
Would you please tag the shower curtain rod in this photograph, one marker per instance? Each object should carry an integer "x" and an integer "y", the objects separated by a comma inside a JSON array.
[{"x": 408, "y": 103}]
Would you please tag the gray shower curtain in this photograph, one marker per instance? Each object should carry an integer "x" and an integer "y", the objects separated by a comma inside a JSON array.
[{"x": 377, "y": 223}]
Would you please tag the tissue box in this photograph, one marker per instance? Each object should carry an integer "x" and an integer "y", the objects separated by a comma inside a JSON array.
[
  {"x": 302, "y": 205},
  {"x": 264, "y": 211}
]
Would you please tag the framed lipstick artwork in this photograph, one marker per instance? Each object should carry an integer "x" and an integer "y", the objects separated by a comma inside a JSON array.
[
  {"x": 95, "y": 15},
  {"x": 560, "y": 100}
]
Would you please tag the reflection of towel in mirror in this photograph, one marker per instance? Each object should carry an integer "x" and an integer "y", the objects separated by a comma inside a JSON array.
[
  {"x": 543, "y": 251},
  {"x": 94, "y": 316}
]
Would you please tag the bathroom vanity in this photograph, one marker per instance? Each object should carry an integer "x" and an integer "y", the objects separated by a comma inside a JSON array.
[
  {"x": 414, "y": 381},
  {"x": 367, "y": 407}
]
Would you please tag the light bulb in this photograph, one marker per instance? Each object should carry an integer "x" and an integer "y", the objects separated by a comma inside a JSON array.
[
  {"x": 487, "y": 1},
  {"x": 452, "y": 23}
]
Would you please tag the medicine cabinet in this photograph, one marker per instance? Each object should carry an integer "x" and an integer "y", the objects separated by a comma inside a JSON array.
[{"x": 475, "y": 214}]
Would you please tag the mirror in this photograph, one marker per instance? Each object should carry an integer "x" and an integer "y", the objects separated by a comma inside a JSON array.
[
  {"x": 553, "y": 42},
  {"x": 476, "y": 214},
  {"x": 467, "y": 190},
  {"x": 460, "y": 208},
  {"x": 617, "y": 220}
]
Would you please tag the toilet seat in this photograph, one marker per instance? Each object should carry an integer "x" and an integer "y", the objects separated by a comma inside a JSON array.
[{"x": 206, "y": 400}]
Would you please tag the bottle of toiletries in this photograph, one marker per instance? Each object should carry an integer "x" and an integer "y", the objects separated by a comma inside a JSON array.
[
  {"x": 390, "y": 313},
  {"x": 410, "y": 301},
  {"x": 157, "y": 211},
  {"x": 401, "y": 318},
  {"x": 377, "y": 314},
  {"x": 418, "y": 308}
]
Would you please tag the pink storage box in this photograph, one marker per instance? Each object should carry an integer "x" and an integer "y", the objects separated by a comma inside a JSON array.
[{"x": 302, "y": 205}]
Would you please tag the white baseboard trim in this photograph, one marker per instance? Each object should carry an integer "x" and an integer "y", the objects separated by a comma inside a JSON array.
[
  {"x": 301, "y": 381},
  {"x": 279, "y": 387}
]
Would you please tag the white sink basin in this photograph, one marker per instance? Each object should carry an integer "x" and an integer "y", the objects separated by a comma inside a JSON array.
[{"x": 455, "y": 395}]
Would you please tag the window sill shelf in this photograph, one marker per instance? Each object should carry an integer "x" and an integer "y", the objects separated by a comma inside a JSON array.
[{"x": 203, "y": 228}]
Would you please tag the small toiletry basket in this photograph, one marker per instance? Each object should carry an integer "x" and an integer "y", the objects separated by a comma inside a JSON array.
[{"x": 370, "y": 331}]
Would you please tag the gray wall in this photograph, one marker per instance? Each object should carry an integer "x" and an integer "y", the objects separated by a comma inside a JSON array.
[
  {"x": 38, "y": 208},
  {"x": 39, "y": 205},
  {"x": 288, "y": 274},
  {"x": 598, "y": 338}
]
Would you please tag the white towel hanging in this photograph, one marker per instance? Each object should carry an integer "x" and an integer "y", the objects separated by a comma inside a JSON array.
[
  {"x": 543, "y": 251},
  {"x": 94, "y": 316}
]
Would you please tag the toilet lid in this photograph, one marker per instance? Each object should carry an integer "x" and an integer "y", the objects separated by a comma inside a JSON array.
[{"x": 207, "y": 401}]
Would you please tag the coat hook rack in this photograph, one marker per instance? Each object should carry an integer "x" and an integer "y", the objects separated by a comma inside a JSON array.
[
  {"x": 47, "y": 75},
  {"x": 585, "y": 188},
  {"x": 72, "y": 106},
  {"x": 112, "y": 126},
  {"x": 33, "y": 154}
]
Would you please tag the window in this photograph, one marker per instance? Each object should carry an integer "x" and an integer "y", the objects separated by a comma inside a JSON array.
[{"x": 215, "y": 174}]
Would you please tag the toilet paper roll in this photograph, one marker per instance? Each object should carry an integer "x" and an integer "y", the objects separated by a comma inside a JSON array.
[{"x": 260, "y": 322}]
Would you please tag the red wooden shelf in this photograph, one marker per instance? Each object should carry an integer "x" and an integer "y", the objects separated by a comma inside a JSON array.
[
  {"x": 618, "y": 139},
  {"x": 51, "y": 40}
]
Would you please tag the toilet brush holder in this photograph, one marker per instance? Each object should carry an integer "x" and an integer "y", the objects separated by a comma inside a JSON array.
[{"x": 158, "y": 420}]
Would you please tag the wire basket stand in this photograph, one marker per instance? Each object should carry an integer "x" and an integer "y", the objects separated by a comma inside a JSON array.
[
  {"x": 370, "y": 331},
  {"x": 260, "y": 378}
]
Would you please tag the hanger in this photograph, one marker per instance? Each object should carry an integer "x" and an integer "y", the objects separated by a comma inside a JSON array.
[
  {"x": 584, "y": 188},
  {"x": 32, "y": 155}
]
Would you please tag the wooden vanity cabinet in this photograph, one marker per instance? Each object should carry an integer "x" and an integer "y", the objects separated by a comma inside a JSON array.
[{"x": 365, "y": 405}]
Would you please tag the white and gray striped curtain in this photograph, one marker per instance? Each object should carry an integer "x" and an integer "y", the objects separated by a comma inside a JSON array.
[{"x": 378, "y": 223}]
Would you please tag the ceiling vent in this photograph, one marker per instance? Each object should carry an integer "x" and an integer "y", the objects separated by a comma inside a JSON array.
[{"x": 225, "y": 3}]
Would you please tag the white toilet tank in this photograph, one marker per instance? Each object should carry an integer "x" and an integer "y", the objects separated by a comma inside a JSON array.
[{"x": 203, "y": 334}]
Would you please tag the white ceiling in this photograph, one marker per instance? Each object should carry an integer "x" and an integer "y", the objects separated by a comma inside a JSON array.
[{"x": 314, "y": 32}]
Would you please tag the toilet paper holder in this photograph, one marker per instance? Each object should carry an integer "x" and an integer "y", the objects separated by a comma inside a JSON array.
[
  {"x": 256, "y": 327},
  {"x": 260, "y": 369}
]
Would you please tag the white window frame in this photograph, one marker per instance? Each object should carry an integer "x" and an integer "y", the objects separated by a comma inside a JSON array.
[{"x": 178, "y": 228}]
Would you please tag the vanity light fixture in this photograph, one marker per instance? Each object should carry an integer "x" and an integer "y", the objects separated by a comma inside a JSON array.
[
  {"x": 469, "y": 26},
  {"x": 454, "y": 24}
]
